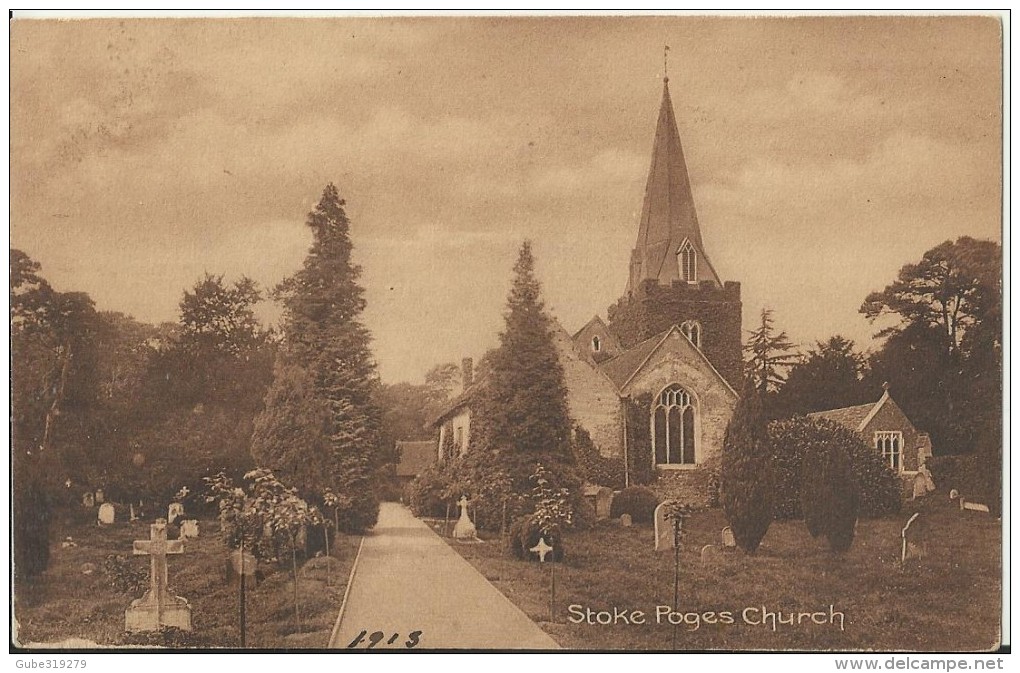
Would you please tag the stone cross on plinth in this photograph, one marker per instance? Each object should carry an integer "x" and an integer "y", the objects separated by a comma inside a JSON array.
[
  {"x": 541, "y": 549},
  {"x": 158, "y": 607},
  {"x": 465, "y": 529}
]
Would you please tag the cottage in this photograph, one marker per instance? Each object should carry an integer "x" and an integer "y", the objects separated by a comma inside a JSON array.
[{"x": 414, "y": 457}]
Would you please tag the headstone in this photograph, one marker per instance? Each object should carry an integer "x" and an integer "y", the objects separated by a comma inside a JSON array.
[
  {"x": 175, "y": 511},
  {"x": 158, "y": 607},
  {"x": 727, "y": 537},
  {"x": 88, "y": 500},
  {"x": 923, "y": 483},
  {"x": 625, "y": 520},
  {"x": 710, "y": 554},
  {"x": 107, "y": 515},
  {"x": 189, "y": 528},
  {"x": 134, "y": 517},
  {"x": 914, "y": 538},
  {"x": 954, "y": 494},
  {"x": 603, "y": 502},
  {"x": 465, "y": 529},
  {"x": 100, "y": 496},
  {"x": 88, "y": 568},
  {"x": 541, "y": 549},
  {"x": 665, "y": 536},
  {"x": 975, "y": 507}
]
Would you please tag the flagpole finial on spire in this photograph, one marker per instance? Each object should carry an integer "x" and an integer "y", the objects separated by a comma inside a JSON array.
[{"x": 665, "y": 64}]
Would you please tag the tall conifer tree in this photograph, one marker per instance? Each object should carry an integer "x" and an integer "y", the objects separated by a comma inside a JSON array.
[
  {"x": 745, "y": 476},
  {"x": 324, "y": 336},
  {"x": 524, "y": 407}
]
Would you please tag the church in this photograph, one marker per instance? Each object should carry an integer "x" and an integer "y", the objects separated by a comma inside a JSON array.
[{"x": 654, "y": 385}]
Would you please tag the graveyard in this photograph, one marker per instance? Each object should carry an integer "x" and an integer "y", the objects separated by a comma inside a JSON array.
[
  {"x": 948, "y": 600},
  {"x": 95, "y": 575}
]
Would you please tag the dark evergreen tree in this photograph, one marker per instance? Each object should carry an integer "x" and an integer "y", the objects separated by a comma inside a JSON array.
[
  {"x": 829, "y": 495},
  {"x": 831, "y": 376},
  {"x": 745, "y": 471},
  {"x": 524, "y": 405},
  {"x": 770, "y": 355},
  {"x": 324, "y": 336}
]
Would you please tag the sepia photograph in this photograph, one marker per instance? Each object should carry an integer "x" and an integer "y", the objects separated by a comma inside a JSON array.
[{"x": 473, "y": 333}]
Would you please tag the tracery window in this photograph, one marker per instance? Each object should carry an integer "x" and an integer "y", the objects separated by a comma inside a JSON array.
[
  {"x": 673, "y": 433},
  {"x": 890, "y": 443},
  {"x": 692, "y": 330},
  {"x": 687, "y": 257}
]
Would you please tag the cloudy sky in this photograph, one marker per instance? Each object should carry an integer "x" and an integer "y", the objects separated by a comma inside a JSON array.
[{"x": 824, "y": 153}]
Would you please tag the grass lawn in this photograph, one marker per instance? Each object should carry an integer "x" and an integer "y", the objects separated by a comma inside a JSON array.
[
  {"x": 66, "y": 603},
  {"x": 951, "y": 600}
]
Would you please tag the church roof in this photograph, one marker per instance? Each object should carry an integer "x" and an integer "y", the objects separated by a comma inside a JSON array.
[
  {"x": 849, "y": 417},
  {"x": 622, "y": 367},
  {"x": 668, "y": 216},
  {"x": 415, "y": 457}
]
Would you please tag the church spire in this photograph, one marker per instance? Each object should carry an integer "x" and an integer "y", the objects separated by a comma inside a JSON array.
[{"x": 669, "y": 245}]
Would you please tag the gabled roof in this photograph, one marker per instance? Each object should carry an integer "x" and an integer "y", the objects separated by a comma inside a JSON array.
[
  {"x": 415, "y": 457},
  {"x": 625, "y": 366},
  {"x": 462, "y": 400},
  {"x": 857, "y": 417},
  {"x": 668, "y": 215}
]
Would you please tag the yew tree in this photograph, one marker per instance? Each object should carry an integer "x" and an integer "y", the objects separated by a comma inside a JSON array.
[{"x": 745, "y": 471}]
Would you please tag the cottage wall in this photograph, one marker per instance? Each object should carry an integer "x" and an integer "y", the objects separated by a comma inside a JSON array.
[{"x": 460, "y": 424}]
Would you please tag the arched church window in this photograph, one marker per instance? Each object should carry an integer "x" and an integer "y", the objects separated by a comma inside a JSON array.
[
  {"x": 596, "y": 345},
  {"x": 687, "y": 257},
  {"x": 692, "y": 330},
  {"x": 673, "y": 433}
]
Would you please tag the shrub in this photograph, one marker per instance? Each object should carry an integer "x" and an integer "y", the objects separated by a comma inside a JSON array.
[
  {"x": 792, "y": 439},
  {"x": 638, "y": 501},
  {"x": 425, "y": 495},
  {"x": 525, "y": 534},
  {"x": 639, "y": 439},
  {"x": 746, "y": 487},
  {"x": 361, "y": 513},
  {"x": 829, "y": 496}
]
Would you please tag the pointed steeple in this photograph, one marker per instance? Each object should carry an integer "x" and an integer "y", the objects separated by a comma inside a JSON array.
[{"x": 669, "y": 245}]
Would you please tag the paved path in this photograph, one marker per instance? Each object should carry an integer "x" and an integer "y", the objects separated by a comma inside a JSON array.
[{"x": 408, "y": 579}]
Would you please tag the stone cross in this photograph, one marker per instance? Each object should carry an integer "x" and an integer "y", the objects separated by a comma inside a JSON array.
[
  {"x": 541, "y": 549},
  {"x": 158, "y": 607},
  {"x": 465, "y": 528}
]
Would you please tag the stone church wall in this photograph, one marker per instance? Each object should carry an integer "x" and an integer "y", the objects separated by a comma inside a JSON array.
[
  {"x": 591, "y": 398},
  {"x": 891, "y": 417}
]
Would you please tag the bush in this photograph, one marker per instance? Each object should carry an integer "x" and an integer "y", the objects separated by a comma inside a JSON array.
[
  {"x": 791, "y": 439},
  {"x": 525, "y": 534},
  {"x": 746, "y": 486},
  {"x": 638, "y": 501},
  {"x": 425, "y": 493},
  {"x": 361, "y": 513},
  {"x": 961, "y": 472},
  {"x": 829, "y": 496}
]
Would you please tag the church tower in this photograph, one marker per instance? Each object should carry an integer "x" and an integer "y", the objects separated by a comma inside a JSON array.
[{"x": 671, "y": 279}]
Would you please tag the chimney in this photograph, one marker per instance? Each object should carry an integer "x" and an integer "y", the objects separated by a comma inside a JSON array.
[{"x": 466, "y": 370}]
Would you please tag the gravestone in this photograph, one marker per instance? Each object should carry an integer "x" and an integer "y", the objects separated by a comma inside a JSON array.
[
  {"x": 665, "y": 536},
  {"x": 107, "y": 514},
  {"x": 465, "y": 529},
  {"x": 603, "y": 502},
  {"x": 710, "y": 554},
  {"x": 954, "y": 494},
  {"x": 158, "y": 607},
  {"x": 923, "y": 483},
  {"x": 541, "y": 549},
  {"x": 625, "y": 520},
  {"x": 100, "y": 496},
  {"x": 914, "y": 538},
  {"x": 728, "y": 541},
  {"x": 189, "y": 528},
  {"x": 175, "y": 511},
  {"x": 88, "y": 500},
  {"x": 974, "y": 506},
  {"x": 134, "y": 517}
]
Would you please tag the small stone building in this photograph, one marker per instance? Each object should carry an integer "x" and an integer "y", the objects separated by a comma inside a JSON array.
[{"x": 884, "y": 426}]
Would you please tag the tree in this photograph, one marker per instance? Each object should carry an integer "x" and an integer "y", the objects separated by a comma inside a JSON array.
[
  {"x": 440, "y": 384},
  {"x": 830, "y": 376},
  {"x": 829, "y": 495},
  {"x": 523, "y": 408},
  {"x": 220, "y": 317},
  {"x": 323, "y": 336},
  {"x": 745, "y": 473},
  {"x": 770, "y": 354},
  {"x": 944, "y": 350}
]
